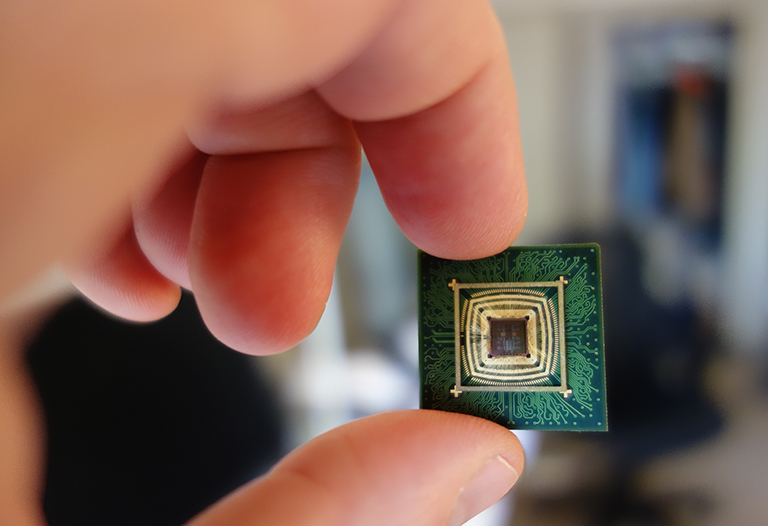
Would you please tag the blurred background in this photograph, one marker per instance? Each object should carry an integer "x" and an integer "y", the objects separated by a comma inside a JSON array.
[{"x": 645, "y": 129}]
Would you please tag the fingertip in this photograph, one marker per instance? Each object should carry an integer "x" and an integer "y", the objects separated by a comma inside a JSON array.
[
  {"x": 417, "y": 462},
  {"x": 490, "y": 438},
  {"x": 258, "y": 300},
  {"x": 486, "y": 487},
  {"x": 123, "y": 282},
  {"x": 400, "y": 467},
  {"x": 163, "y": 221},
  {"x": 453, "y": 175},
  {"x": 142, "y": 305},
  {"x": 476, "y": 231},
  {"x": 264, "y": 242},
  {"x": 248, "y": 326}
]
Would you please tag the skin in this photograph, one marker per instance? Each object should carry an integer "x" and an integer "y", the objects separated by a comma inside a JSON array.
[{"x": 151, "y": 145}]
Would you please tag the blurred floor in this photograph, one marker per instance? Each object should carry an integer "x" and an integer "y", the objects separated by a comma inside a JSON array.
[
  {"x": 720, "y": 482},
  {"x": 730, "y": 470}
]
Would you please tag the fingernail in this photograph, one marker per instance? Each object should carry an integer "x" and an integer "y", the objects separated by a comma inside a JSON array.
[{"x": 491, "y": 483}]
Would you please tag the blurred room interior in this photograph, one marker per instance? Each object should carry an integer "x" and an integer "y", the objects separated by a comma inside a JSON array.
[{"x": 644, "y": 127}]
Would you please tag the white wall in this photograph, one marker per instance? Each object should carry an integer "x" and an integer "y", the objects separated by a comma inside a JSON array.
[
  {"x": 745, "y": 276},
  {"x": 562, "y": 65},
  {"x": 536, "y": 54}
]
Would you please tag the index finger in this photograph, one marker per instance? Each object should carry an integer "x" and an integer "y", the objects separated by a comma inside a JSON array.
[{"x": 434, "y": 105}]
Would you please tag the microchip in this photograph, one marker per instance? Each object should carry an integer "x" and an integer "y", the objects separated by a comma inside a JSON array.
[
  {"x": 516, "y": 338},
  {"x": 507, "y": 337}
]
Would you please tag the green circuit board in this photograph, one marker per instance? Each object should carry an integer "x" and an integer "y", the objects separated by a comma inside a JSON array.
[{"x": 515, "y": 338}]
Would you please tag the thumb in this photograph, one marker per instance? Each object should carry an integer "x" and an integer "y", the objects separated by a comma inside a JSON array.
[{"x": 398, "y": 468}]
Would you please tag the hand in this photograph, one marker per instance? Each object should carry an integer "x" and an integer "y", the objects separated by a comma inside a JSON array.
[{"x": 228, "y": 134}]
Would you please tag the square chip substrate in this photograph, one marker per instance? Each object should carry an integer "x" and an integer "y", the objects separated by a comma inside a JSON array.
[{"x": 515, "y": 338}]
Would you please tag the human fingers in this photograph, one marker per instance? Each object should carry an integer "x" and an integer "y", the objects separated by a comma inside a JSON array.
[
  {"x": 134, "y": 129},
  {"x": 163, "y": 220},
  {"x": 435, "y": 108},
  {"x": 399, "y": 468},
  {"x": 272, "y": 208},
  {"x": 445, "y": 147},
  {"x": 134, "y": 277},
  {"x": 96, "y": 95},
  {"x": 122, "y": 281},
  {"x": 264, "y": 242},
  {"x": 265, "y": 209}
]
